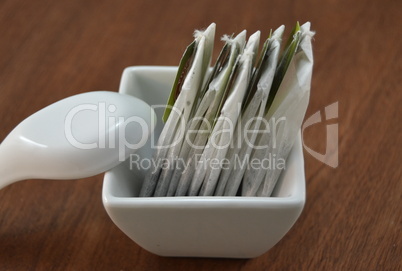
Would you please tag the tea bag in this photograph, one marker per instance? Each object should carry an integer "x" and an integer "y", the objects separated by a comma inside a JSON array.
[
  {"x": 198, "y": 57},
  {"x": 203, "y": 148},
  {"x": 202, "y": 123},
  {"x": 285, "y": 114},
  {"x": 207, "y": 174},
  {"x": 252, "y": 117}
]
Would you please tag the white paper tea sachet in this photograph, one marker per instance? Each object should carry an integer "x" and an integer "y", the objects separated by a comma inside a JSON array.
[
  {"x": 251, "y": 118},
  {"x": 219, "y": 122},
  {"x": 198, "y": 55},
  {"x": 254, "y": 175},
  {"x": 286, "y": 113},
  {"x": 207, "y": 172},
  {"x": 200, "y": 126}
]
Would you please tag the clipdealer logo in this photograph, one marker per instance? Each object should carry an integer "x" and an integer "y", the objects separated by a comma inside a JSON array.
[{"x": 330, "y": 157}]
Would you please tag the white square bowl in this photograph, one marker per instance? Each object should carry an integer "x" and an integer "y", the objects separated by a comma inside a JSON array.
[{"x": 227, "y": 227}]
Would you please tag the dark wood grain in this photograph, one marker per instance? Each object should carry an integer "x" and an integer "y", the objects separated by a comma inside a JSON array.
[{"x": 353, "y": 217}]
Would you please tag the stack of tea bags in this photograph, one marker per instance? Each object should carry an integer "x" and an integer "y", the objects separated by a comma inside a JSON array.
[{"x": 220, "y": 121}]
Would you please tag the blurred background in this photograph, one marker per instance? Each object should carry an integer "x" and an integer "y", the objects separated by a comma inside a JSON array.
[{"x": 352, "y": 219}]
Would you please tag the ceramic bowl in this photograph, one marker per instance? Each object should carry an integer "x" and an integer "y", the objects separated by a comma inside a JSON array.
[{"x": 228, "y": 227}]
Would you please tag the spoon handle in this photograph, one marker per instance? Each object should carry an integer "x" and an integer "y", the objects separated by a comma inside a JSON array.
[
  {"x": 4, "y": 181},
  {"x": 8, "y": 170}
]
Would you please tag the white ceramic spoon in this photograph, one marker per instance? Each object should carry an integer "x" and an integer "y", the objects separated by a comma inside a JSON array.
[{"x": 77, "y": 137}]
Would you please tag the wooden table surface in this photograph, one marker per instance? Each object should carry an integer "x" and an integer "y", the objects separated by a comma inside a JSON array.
[{"x": 352, "y": 219}]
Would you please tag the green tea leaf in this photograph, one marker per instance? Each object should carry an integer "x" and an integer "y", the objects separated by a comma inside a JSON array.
[
  {"x": 287, "y": 56},
  {"x": 184, "y": 66},
  {"x": 231, "y": 81},
  {"x": 257, "y": 72},
  {"x": 222, "y": 59}
]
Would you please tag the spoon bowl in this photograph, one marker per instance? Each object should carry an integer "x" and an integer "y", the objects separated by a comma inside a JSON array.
[{"x": 77, "y": 137}]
